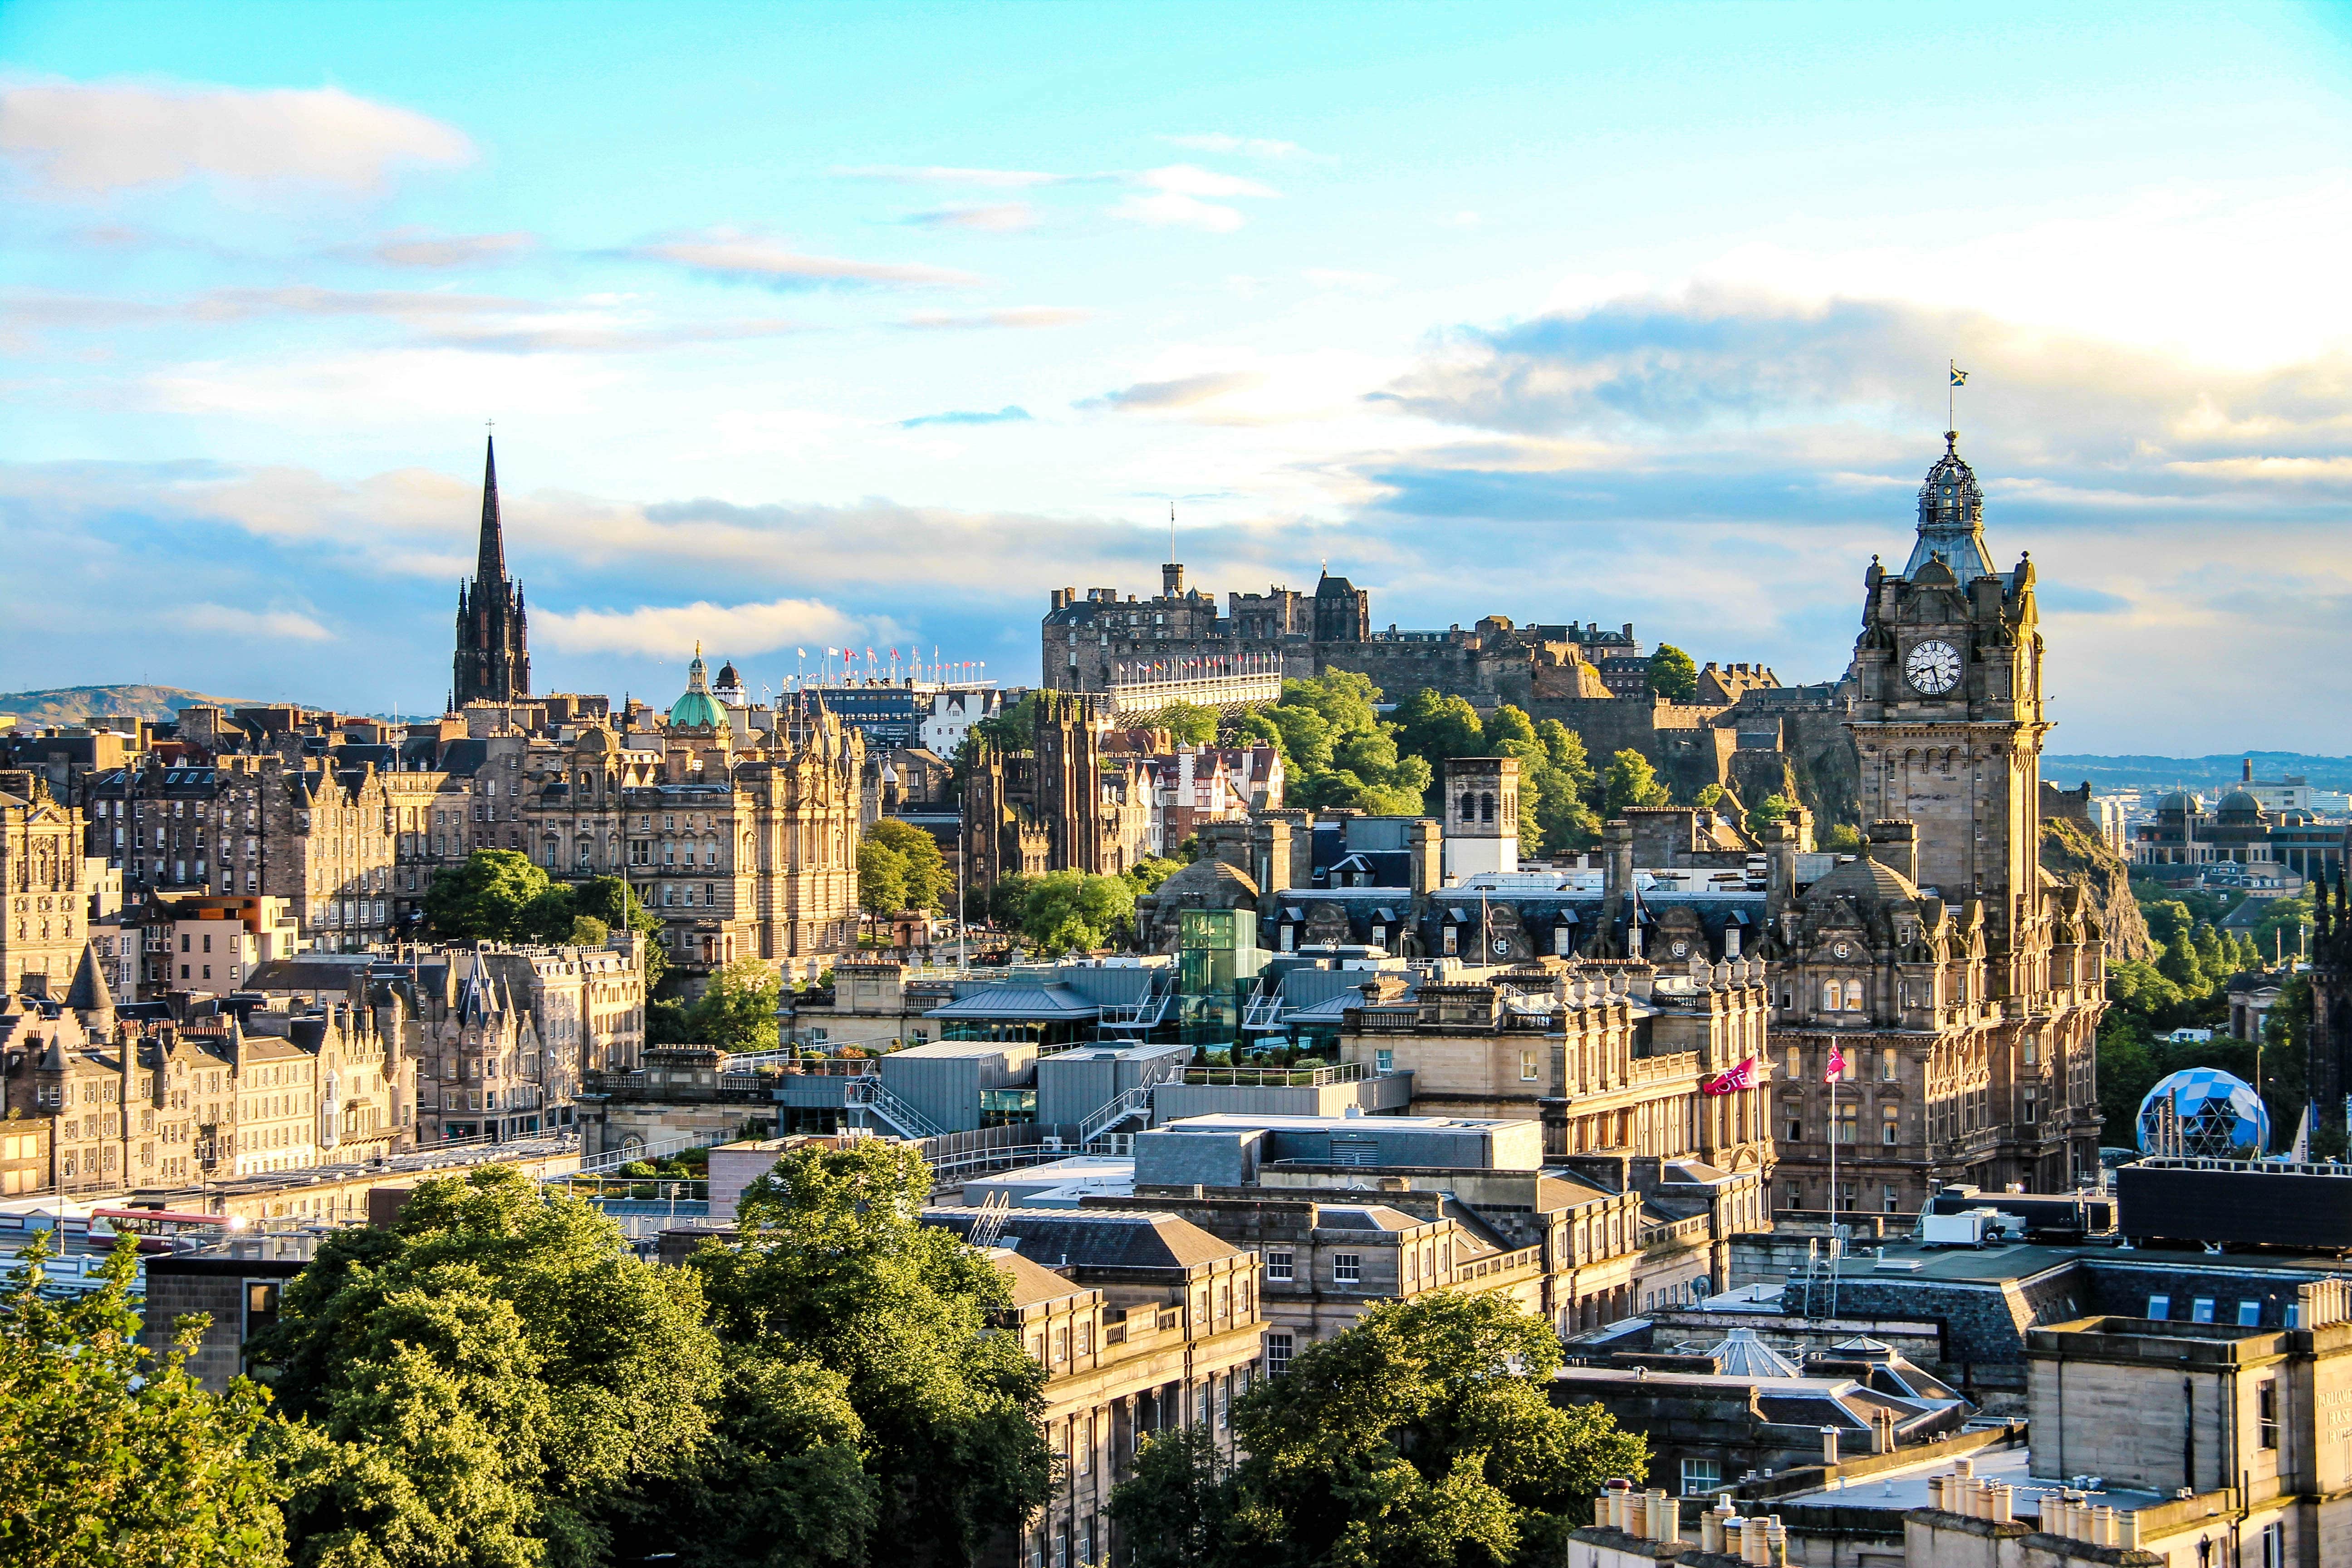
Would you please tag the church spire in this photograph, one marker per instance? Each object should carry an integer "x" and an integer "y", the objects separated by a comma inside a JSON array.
[{"x": 491, "y": 567}]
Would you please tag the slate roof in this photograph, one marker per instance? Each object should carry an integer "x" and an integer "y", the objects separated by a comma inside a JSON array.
[
  {"x": 1116, "y": 1240},
  {"x": 1019, "y": 1001}
]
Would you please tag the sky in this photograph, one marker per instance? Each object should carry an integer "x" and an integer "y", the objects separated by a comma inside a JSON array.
[{"x": 810, "y": 326}]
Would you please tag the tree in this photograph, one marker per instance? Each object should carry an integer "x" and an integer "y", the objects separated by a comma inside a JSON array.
[
  {"x": 929, "y": 882},
  {"x": 1148, "y": 873},
  {"x": 1307, "y": 738},
  {"x": 1772, "y": 808},
  {"x": 1067, "y": 910},
  {"x": 1434, "y": 728},
  {"x": 1674, "y": 675},
  {"x": 1188, "y": 723},
  {"x": 113, "y": 1454},
  {"x": 1511, "y": 733},
  {"x": 1425, "y": 1434},
  {"x": 493, "y": 896},
  {"x": 1630, "y": 782},
  {"x": 1256, "y": 730},
  {"x": 1843, "y": 838},
  {"x": 587, "y": 931},
  {"x": 1563, "y": 781},
  {"x": 737, "y": 1009},
  {"x": 612, "y": 900},
  {"x": 495, "y": 1381},
  {"x": 881, "y": 880},
  {"x": 833, "y": 1262}
]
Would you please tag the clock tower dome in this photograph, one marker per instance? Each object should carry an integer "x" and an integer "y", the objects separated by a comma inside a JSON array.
[{"x": 1947, "y": 714}]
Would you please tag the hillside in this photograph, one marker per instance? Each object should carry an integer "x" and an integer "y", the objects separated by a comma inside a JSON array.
[
  {"x": 73, "y": 704},
  {"x": 2207, "y": 773}
]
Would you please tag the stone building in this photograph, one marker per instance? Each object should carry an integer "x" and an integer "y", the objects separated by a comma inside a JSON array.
[
  {"x": 1059, "y": 805},
  {"x": 45, "y": 921},
  {"x": 493, "y": 658},
  {"x": 1741, "y": 729},
  {"x": 1143, "y": 1324},
  {"x": 1958, "y": 984}
]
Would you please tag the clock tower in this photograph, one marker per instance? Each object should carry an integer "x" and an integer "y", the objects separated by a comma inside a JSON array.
[
  {"x": 1937, "y": 999},
  {"x": 1947, "y": 714}
]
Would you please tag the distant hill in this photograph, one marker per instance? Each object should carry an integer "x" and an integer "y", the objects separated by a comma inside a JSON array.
[
  {"x": 76, "y": 704},
  {"x": 2192, "y": 773}
]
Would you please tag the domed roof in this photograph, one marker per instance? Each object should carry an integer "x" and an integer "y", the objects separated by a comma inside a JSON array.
[
  {"x": 2180, "y": 801},
  {"x": 1866, "y": 880},
  {"x": 697, "y": 708},
  {"x": 728, "y": 679},
  {"x": 2239, "y": 805}
]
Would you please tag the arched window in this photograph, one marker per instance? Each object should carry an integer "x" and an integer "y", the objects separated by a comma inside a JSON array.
[
  {"x": 1469, "y": 806},
  {"x": 1829, "y": 995},
  {"x": 1485, "y": 808},
  {"x": 1853, "y": 995}
]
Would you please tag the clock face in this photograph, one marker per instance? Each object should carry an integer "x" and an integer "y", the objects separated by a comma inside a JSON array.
[
  {"x": 1842, "y": 950},
  {"x": 1502, "y": 946},
  {"x": 1681, "y": 949},
  {"x": 1934, "y": 666}
]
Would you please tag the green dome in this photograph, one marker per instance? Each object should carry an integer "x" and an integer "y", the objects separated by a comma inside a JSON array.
[{"x": 697, "y": 710}]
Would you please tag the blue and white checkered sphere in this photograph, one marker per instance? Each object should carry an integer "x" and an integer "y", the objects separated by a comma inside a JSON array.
[{"x": 2220, "y": 1116}]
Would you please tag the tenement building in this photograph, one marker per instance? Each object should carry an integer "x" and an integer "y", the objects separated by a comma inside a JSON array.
[{"x": 1952, "y": 984}]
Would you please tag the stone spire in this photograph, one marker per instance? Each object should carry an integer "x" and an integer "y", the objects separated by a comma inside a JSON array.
[
  {"x": 91, "y": 999},
  {"x": 490, "y": 565}
]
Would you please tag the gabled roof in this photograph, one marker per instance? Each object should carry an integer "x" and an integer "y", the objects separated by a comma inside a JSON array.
[{"x": 1118, "y": 1240}]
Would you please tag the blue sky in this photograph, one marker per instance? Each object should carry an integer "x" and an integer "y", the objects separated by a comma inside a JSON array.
[{"x": 810, "y": 325}]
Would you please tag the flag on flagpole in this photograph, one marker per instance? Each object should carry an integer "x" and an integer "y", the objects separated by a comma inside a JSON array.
[
  {"x": 1959, "y": 376},
  {"x": 1836, "y": 1067},
  {"x": 1739, "y": 1078}
]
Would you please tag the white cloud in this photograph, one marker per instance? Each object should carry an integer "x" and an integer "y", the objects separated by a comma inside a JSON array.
[
  {"x": 943, "y": 175},
  {"x": 999, "y": 217},
  {"x": 235, "y": 622},
  {"x": 748, "y": 259},
  {"x": 1170, "y": 198},
  {"x": 1027, "y": 316},
  {"x": 674, "y": 630},
  {"x": 95, "y": 137},
  {"x": 1247, "y": 146},
  {"x": 424, "y": 248},
  {"x": 1192, "y": 180}
]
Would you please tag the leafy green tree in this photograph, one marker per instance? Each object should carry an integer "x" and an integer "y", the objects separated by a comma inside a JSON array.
[
  {"x": 669, "y": 1022},
  {"x": 881, "y": 880},
  {"x": 1307, "y": 738},
  {"x": 1013, "y": 729},
  {"x": 1188, "y": 723},
  {"x": 1563, "y": 781},
  {"x": 587, "y": 931},
  {"x": 1343, "y": 699},
  {"x": 737, "y": 1009},
  {"x": 833, "y": 1262},
  {"x": 930, "y": 883},
  {"x": 612, "y": 900},
  {"x": 1009, "y": 898},
  {"x": 1073, "y": 911},
  {"x": 495, "y": 1381},
  {"x": 1772, "y": 808},
  {"x": 1422, "y": 1434},
  {"x": 2179, "y": 964},
  {"x": 1673, "y": 674},
  {"x": 1255, "y": 729},
  {"x": 111, "y": 1454},
  {"x": 1628, "y": 782},
  {"x": 1511, "y": 733},
  {"x": 1843, "y": 838},
  {"x": 490, "y": 896},
  {"x": 2215, "y": 963},
  {"x": 1148, "y": 873},
  {"x": 1434, "y": 728}
]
